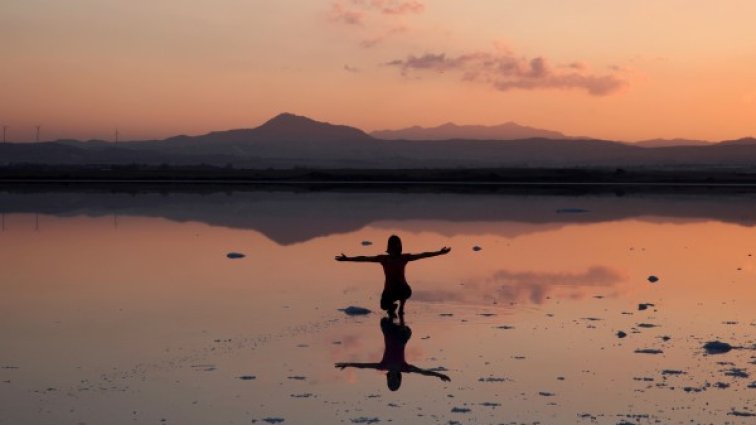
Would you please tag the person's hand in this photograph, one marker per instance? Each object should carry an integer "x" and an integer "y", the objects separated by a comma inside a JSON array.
[
  {"x": 444, "y": 250},
  {"x": 340, "y": 365},
  {"x": 341, "y": 257}
]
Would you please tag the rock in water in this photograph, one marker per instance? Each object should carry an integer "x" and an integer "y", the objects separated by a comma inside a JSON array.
[
  {"x": 717, "y": 347},
  {"x": 476, "y": 248},
  {"x": 366, "y": 243},
  {"x": 649, "y": 351},
  {"x": 653, "y": 279},
  {"x": 621, "y": 334},
  {"x": 235, "y": 255},
  {"x": 355, "y": 311}
]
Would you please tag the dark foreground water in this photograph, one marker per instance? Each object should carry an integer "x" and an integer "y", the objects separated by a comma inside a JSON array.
[{"x": 123, "y": 308}]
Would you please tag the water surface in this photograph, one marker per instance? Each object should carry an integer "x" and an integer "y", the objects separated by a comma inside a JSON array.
[{"x": 123, "y": 308}]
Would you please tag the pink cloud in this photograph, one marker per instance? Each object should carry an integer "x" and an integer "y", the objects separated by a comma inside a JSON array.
[
  {"x": 505, "y": 71},
  {"x": 377, "y": 39},
  {"x": 397, "y": 7},
  {"x": 354, "y": 11},
  {"x": 376, "y": 18},
  {"x": 578, "y": 65},
  {"x": 342, "y": 13}
]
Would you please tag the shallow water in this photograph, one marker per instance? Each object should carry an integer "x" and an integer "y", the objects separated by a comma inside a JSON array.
[{"x": 122, "y": 308}]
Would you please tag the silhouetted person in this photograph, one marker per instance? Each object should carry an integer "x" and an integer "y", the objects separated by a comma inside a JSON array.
[
  {"x": 395, "y": 338},
  {"x": 396, "y": 287}
]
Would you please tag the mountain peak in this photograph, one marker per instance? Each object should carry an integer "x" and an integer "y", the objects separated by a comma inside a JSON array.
[
  {"x": 297, "y": 127},
  {"x": 287, "y": 118}
]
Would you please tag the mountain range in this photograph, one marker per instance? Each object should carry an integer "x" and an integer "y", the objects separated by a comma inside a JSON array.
[
  {"x": 288, "y": 141},
  {"x": 507, "y": 131},
  {"x": 666, "y": 143}
]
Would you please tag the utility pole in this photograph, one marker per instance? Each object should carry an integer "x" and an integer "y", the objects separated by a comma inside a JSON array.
[{"x": 37, "y": 137}]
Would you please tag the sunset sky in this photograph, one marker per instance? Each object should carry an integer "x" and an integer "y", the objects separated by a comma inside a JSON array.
[{"x": 626, "y": 70}]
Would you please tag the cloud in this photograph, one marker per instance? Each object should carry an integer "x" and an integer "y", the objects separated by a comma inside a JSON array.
[
  {"x": 342, "y": 13},
  {"x": 354, "y": 12},
  {"x": 377, "y": 39},
  {"x": 506, "y": 71},
  {"x": 397, "y": 7},
  {"x": 351, "y": 69},
  {"x": 375, "y": 19}
]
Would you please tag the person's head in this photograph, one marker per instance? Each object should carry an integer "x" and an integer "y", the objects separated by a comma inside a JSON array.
[
  {"x": 394, "y": 246},
  {"x": 394, "y": 379}
]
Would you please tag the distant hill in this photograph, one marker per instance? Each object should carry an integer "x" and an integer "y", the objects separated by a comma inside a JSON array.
[
  {"x": 507, "y": 131},
  {"x": 743, "y": 142},
  {"x": 84, "y": 144},
  {"x": 284, "y": 127},
  {"x": 281, "y": 141},
  {"x": 665, "y": 143},
  {"x": 289, "y": 141},
  {"x": 290, "y": 127}
]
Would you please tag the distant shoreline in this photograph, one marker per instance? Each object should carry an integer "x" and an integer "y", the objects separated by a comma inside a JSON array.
[
  {"x": 138, "y": 178},
  {"x": 515, "y": 176},
  {"x": 365, "y": 183}
]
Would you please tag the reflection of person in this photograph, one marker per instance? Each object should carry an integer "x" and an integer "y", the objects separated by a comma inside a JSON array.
[
  {"x": 396, "y": 287},
  {"x": 395, "y": 338}
]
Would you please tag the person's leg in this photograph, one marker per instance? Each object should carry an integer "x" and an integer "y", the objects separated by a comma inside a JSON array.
[
  {"x": 388, "y": 304},
  {"x": 403, "y": 299}
]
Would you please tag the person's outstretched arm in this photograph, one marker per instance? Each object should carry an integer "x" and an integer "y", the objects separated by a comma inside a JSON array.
[
  {"x": 441, "y": 376},
  {"x": 359, "y": 258},
  {"x": 358, "y": 365},
  {"x": 442, "y": 251}
]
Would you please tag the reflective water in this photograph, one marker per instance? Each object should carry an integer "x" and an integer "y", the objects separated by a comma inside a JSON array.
[{"x": 122, "y": 308}]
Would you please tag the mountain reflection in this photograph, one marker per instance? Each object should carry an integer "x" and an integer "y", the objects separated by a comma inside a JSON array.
[
  {"x": 289, "y": 217},
  {"x": 396, "y": 335}
]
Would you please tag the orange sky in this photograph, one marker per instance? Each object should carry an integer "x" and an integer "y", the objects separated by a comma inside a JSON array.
[{"x": 601, "y": 68}]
